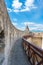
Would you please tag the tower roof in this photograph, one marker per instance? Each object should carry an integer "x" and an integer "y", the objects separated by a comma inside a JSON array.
[{"x": 27, "y": 28}]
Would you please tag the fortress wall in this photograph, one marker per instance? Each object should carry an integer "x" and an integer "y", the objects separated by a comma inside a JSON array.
[
  {"x": 10, "y": 32},
  {"x": 37, "y": 41}
]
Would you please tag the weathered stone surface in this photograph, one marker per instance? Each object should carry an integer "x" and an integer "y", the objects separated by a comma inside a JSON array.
[
  {"x": 10, "y": 32},
  {"x": 17, "y": 56}
]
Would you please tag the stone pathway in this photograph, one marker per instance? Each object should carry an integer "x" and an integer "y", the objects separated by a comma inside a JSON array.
[
  {"x": 1, "y": 57},
  {"x": 18, "y": 56}
]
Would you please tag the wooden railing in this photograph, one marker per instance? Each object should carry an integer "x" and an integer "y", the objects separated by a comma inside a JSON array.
[{"x": 34, "y": 54}]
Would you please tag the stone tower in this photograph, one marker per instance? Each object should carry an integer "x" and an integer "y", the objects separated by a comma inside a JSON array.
[{"x": 26, "y": 30}]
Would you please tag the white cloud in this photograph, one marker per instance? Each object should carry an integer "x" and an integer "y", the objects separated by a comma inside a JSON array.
[
  {"x": 33, "y": 26},
  {"x": 28, "y": 5},
  {"x": 14, "y": 23},
  {"x": 16, "y": 4},
  {"x": 28, "y": 23},
  {"x": 9, "y": 10},
  {"x": 18, "y": 26},
  {"x": 25, "y": 9},
  {"x": 21, "y": 28},
  {"x": 16, "y": 10}
]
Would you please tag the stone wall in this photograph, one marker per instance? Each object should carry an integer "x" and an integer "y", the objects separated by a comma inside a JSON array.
[
  {"x": 10, "y": 32},
  {"x": 37, "y": 41}
]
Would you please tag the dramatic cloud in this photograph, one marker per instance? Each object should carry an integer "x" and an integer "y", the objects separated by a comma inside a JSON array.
[
  {"x": 16, "y": 4},
  {"x": 33, "y": 26},
  {"x": 28, "y": 5}
]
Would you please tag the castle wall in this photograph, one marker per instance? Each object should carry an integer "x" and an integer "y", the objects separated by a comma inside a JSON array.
[{"x": 10, "y": 32}]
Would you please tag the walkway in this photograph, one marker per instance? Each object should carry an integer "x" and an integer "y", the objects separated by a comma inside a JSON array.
[{"x": 18, "y": 56}]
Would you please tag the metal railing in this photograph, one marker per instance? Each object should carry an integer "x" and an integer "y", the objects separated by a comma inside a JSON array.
[{"x": 34, "y": 54}]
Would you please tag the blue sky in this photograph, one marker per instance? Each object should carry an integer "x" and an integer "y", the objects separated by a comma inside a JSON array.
[{"x": 26, "y": 12}]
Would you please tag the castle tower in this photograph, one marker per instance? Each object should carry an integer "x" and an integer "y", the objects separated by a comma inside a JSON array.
[{"x": 27, "y": 30}]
